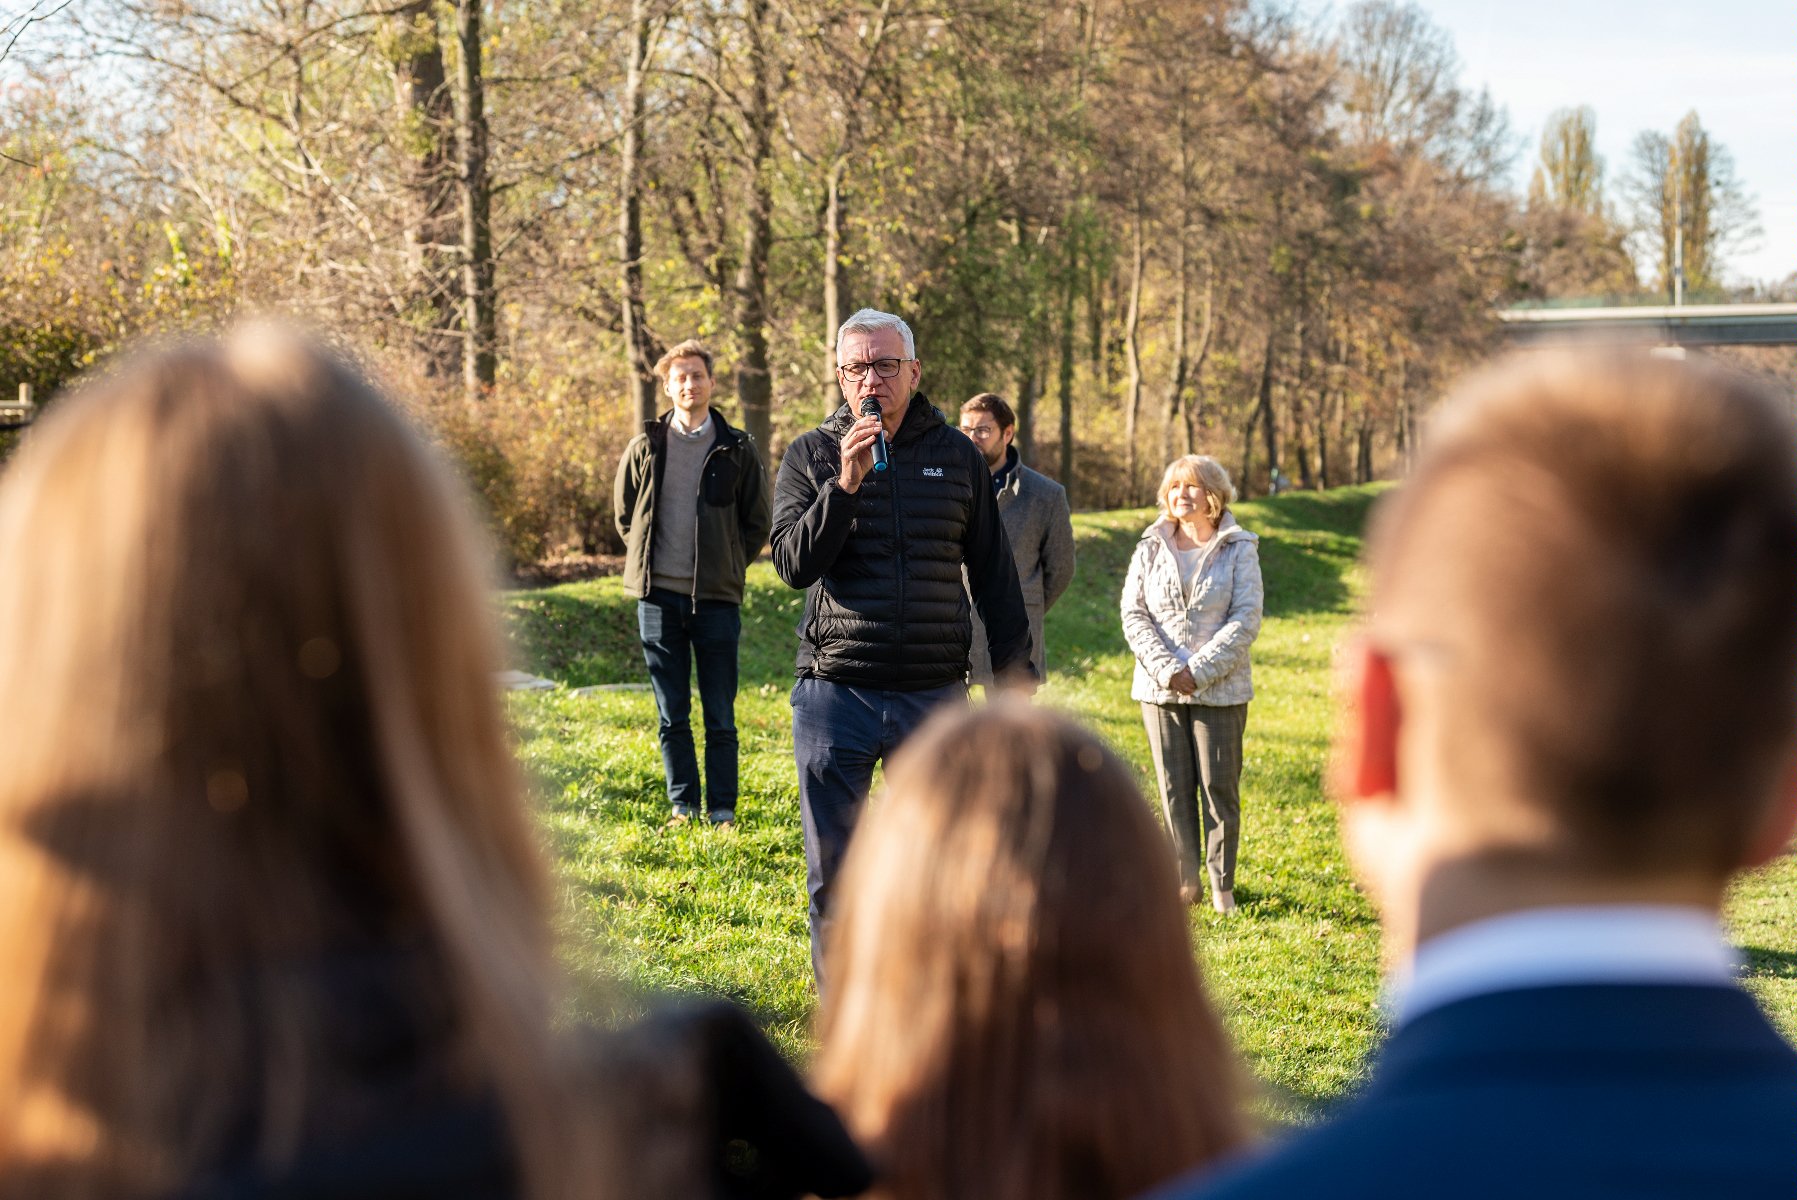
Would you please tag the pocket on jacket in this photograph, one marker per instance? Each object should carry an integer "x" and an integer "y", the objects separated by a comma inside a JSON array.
[{"x": 719, "y": 484}]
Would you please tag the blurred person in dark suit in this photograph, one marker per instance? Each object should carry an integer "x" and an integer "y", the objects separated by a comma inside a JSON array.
[
  {"x": 1038, "y": 524},
  {"x": 1570, "y": 725}
]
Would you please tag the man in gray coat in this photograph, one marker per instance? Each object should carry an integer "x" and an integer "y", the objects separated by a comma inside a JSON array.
[{"x": 1037, "y": 523}]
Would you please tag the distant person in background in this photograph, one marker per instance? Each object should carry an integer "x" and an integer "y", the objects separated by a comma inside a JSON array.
[
  {"x": 1191, "y": 608},
  {"x": 273, "y": 919},
  {"x": 691, "y": 503},
  {"x": 1037, "y": 523},
  {"x": 1014, "y": 1011},
  {"x": 1572, "y": 722}
]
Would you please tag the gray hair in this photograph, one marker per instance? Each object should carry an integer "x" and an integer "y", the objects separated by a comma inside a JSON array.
[{"x": 872, "y": 320}]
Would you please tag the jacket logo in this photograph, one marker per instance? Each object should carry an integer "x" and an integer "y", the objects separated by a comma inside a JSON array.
[{"x": 933, "y": 472}]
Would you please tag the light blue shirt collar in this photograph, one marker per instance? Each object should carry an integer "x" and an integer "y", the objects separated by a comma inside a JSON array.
[{"x": 1547, "y": 947}]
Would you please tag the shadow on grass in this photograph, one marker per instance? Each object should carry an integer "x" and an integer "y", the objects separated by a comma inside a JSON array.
[
  {"x": 585, "y": 634},
  {"x": 1306, "y": 544},
  {"x": 1769, "y": 964},
  {"x": 578, "y": 634}
]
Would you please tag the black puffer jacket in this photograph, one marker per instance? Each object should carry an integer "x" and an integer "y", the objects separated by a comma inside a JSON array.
[{"x": 885, "y": 606}]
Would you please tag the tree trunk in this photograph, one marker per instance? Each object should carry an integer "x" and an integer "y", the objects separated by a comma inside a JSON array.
[
  {"x": 1406, "y": 428},
  {"x": 1325, "y": 412},
  {"x": 846, "y": 146},
  {"x": 1132, "y": 351},
  {"x": 1028, "y": 373},
  {"x": 1182, "y": 285},
  {"x": 1329, "y": 404},
  {"x": 1207, "y": 331},
  {"x": 754, "y": 379},
  {"x": 1298, "y": 405},
  {"x": 1244, "y": 481},
  {"x": 638, "y": 359},
  {"x": 1263, "y": 412},
  {"x": 426, "y": 111},
  {"x": 1176, "y": 387},
  {"x": 479, "y": 307},
  {"x": 833, "y": 314},
  {"x": 1269, "y": 422},
  {"x": 1095, "y": 349},
  {"x": 1065, "y": 383}
]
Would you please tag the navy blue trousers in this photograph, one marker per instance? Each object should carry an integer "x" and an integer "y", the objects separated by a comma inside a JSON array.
[
  {"x": 838, "y": 733},
  {"x": 677, "y": 635}
]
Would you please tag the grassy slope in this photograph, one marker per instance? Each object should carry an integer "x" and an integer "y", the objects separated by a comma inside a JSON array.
[{"x": 656, "y": 911}]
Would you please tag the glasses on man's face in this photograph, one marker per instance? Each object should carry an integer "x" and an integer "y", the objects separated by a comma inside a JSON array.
[
  {"x": 885, "y": 368},
  {"x": 980, "y": 433}
]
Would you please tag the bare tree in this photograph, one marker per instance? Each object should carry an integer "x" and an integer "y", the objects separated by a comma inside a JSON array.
[
  {"x": 638, "y": 356},
  {"x": 426, "y": 109},
  {"x": 480, "y": 354},
  {"x": 1687, "y": 204},
  {"x": 1570, "y": 173}
]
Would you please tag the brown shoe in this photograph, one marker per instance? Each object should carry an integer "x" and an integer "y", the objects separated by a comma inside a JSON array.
[{"x": 677, "y": 820}]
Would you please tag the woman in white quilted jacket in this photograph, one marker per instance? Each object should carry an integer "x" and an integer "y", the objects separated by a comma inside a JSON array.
[{"x": 1191, "y": 608}]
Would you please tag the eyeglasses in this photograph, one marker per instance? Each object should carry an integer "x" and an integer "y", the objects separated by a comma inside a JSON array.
[
  {"x": 980, "y": 432},
  {"x": 885, "y": 368}
]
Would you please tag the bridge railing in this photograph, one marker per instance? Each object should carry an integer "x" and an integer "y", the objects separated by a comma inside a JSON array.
[
  {"x": 22, "y": 412},
  {"x": 1665, "y": 324}
]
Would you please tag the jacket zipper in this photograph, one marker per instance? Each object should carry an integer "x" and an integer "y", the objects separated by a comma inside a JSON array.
[
  {"x": 898, "y": 534},
  {"x": 1185, "y": 593},
  {"x": 698, "y": 509}
]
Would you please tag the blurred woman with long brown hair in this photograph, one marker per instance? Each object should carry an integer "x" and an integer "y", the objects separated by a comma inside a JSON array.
[
  {"x": 1014, "y": 1010},
  {"x": 272, "y": 916}
]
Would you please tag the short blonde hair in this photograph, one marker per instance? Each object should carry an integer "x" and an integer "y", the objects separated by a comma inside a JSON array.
[
  {"x": 1207, "y": 473},
  {"x": 1592, "y": 578},
  {"x": 690, "y": 348},
  {"x": 987, "y": 1031}
]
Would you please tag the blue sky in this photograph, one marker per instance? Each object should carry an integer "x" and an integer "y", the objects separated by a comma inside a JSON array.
[{"x": 1642, "y": 64}]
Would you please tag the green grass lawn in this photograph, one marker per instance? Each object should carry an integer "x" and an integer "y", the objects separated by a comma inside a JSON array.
[{"x": 651, "y": 911}]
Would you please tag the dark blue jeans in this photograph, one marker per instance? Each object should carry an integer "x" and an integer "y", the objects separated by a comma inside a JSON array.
[
  {"x": 838, "y": 733},
  {"x": 677, "y": 634}
]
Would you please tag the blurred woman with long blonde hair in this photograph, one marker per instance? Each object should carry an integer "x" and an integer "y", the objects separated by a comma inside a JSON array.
[
  {"x": 272, "y": 914},
  {"x": 1014, "y": 1010}
]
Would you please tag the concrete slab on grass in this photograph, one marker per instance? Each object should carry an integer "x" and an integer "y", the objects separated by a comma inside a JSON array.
[{"x": 519, "y": 681}]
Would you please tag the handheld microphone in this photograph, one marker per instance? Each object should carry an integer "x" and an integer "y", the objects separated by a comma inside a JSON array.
[{"x": 870, "y": 407}]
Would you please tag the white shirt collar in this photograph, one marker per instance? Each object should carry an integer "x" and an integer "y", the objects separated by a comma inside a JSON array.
[
  {"x": 1547, "y": 947},
  {"x": 679, "y": 424}
]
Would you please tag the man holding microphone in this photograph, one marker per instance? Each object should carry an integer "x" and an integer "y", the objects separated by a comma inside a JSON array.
[{"x": 880, "y": 551}]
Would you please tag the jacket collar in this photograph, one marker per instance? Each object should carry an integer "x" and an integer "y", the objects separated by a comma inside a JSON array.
[
  {"x": 1563, "y": 1029},
  {"x": 1544, "y": 947},
  {"x": 1227, "y": 531},
  {"x": 1012, "y": 471},
  {"x": 724, "y": 434},
  {"x": 920, "y": 417}
]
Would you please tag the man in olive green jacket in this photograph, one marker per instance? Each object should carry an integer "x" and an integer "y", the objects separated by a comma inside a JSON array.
[{"x": 692, "y": 506}]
